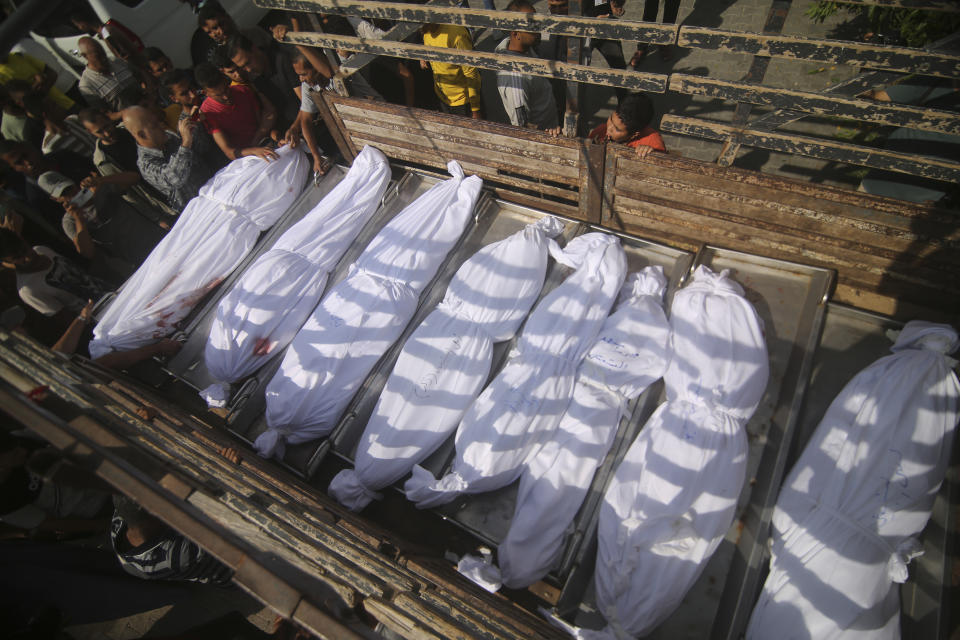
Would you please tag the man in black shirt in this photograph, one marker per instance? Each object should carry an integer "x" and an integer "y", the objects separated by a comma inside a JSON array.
[
  {"x": 114, "y": 144},
  {"x": 216, "y": 29},
  {"x": 272, "y": 74},
  {"x": 27, "y": 160}
]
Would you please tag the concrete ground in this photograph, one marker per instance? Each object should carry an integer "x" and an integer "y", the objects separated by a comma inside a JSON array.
[{"x": 739, "y": 15}]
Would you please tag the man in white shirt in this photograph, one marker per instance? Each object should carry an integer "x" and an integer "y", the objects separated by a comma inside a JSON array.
[
  {"x": 311, "y": 80},
  {"x": 528, "y": 100},
  {"x": 47, "y": 281}
]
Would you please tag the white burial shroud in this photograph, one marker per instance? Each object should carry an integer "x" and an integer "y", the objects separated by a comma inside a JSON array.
[
  {"x": 628, "y": 356},
  {"x": 266, "y": 307},
  {"x": 674, "y": 495},
  {"x": 446, "y": 361},
  {"x": 521, "y": 408},
  {"x": 210, "y": 238},
  {"x": 364, "y": 314},
  {"x": 845, "y": 523}
]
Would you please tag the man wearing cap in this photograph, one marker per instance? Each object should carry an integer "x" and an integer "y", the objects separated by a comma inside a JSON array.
[
  {"x": 26, "y": 159},
  {"x": 98, "y": 220}
]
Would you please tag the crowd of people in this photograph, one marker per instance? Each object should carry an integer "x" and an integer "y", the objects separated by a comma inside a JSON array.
[{"x": 91, "y": 180}]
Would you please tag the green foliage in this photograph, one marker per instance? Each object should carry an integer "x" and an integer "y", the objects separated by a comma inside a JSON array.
[
  {"x": 820, "y": 11},
  {"x": 859, "y": 132},
  {"x": 910, "y": 27}
]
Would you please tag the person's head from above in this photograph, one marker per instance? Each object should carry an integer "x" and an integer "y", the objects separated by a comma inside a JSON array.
[
  {"x": 64, "y": 190},
  {"x": 157, "y": 61},
  {"x": 146, "y": 127},
  {"x": 304, "y": 70},
  {"x": 96, "y": 122},
  {"x": 93, "y": 53},
  {"x": 85, "y": 21},
  {"x": 22, "y": 157},
  {"x": 215, "y": 85},
  {"x": 227, "y": 68},
  {"x": 141, "y": 527},
  {"x": 14, "y": 250},
  {"x": 181, "y": 88},
  {"x": 216, "y": 22},
  {"x": 8, "y": 104},
  {"x": 522, "y": 40},
  {"x": 17, "y": 92},
  {"x": 616, "y": 7},
  {"x": 634, "y": 112},
  {"x": 558, "y": 7},
  {"x": 247, "y": 56}
]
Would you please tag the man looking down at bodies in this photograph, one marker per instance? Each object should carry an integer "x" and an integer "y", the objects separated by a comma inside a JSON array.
[
  {"x": 528, "y": 100},
  {"x": 314, "y": 73},
  {"x": 270, "y": 72},
  {"x": 630, "y": 125},
  {"x": 233, "y": 114},
  {"x": 168, "y": 161}
]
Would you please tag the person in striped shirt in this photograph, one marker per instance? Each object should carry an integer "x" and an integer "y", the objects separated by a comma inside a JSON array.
[
  {"x": 527, "y": 99},
  {"x": 112, "y": 84},
  {"x": 149, "y": 549}
]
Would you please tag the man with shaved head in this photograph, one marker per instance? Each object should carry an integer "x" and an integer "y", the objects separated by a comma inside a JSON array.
[
  {"x": 175, "y": 164},
  {"x": 111, "y": 84}
]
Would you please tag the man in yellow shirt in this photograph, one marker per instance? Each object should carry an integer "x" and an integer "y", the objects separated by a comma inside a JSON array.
[
  {"x": 20, "y": 66},
  {"x": 456, "y": 86}
]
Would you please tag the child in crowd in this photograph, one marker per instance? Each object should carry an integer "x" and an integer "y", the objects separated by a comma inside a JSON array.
[
  {"x": 182, "y": 90},
  {"x": 630, "y": 125},
  {"x": 234, "y": 115}
]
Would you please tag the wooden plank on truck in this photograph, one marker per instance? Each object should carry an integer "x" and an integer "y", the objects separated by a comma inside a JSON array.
[
  {"x": 886, "y": 254},
  {"x": 562, "y": 25},
  {"x": 871, "y": 56},
  {"x": 632, "y": 80},
  {"x": 883, "y": 113},
  {"x": 522, "y": 165},
  {"x": 822, "y": 148}
]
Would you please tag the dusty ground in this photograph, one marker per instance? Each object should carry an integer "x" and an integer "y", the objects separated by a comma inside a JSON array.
[{"x": 738, "y": 15}]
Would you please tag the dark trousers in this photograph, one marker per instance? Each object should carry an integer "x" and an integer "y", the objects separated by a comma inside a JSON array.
[
  {"x": 612, "y": 52},
  {"x": 460, "y": 110},
  {"x": 670, "y": 10}
]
